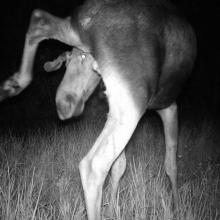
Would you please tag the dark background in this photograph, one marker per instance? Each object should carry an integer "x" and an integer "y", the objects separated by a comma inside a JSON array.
[{"x": 200, "y": 98}]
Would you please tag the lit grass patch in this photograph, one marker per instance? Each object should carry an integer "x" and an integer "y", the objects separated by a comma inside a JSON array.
[{"x": 39, "y": 177}]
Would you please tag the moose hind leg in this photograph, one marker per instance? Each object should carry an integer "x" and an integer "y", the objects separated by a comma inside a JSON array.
[
  {"x": 170, "y": 122},
  {"x": 96, "y": 165},
  {"x": 42, "y": 26},
  {"x": 118, "y": 129}
]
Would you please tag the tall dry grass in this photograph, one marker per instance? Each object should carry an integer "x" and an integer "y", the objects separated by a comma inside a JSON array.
[{"x": 39, "y": 176}]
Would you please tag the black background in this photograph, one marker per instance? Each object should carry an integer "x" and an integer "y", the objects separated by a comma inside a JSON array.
[{"x": 200, "y": 97}]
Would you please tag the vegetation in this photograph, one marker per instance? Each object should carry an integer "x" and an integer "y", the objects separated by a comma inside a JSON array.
[{"x": 39, "y": 176}]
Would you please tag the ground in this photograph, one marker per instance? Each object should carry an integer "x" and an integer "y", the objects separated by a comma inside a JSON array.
[{"x": 39, "y": 177}]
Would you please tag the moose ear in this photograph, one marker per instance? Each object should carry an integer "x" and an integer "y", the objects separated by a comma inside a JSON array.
[
  {"x": 52, "y": 66},
  {"x": 57, "y": 63}
]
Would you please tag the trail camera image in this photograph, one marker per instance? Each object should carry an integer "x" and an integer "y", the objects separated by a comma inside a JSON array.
[{"x": 109, "y": 109}]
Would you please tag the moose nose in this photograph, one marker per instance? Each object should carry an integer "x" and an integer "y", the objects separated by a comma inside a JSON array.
[{"x": 69, "y": 106}]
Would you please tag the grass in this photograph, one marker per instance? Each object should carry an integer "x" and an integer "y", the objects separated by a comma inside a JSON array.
[{"x": 39, "y": 176}]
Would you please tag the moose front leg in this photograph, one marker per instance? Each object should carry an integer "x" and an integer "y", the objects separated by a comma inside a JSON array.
[
  {"x": 122, "y": 120},
  {"x": 169, "y": 118},
  {"x": 42, "y": 26},
  {"x": 117, "y": 171}
]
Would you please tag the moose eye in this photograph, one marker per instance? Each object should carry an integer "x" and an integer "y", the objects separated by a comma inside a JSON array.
[{"x": 82, "y": 58}]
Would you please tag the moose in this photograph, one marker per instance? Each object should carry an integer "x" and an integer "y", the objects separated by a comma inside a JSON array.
[{"x": 143, "y": 50}]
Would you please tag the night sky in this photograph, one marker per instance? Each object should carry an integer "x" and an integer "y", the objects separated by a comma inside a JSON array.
[{"x": 200, "y": 96}]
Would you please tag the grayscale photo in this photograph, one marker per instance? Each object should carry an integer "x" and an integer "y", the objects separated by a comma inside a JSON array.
[{"x": 110, "y": 110}]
